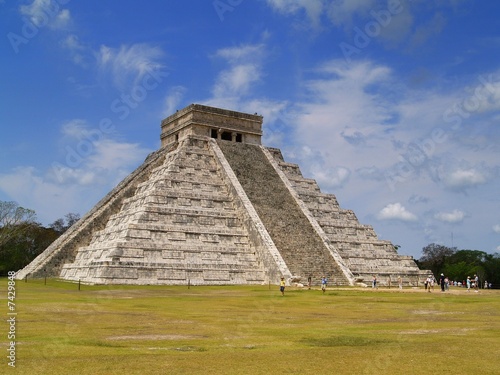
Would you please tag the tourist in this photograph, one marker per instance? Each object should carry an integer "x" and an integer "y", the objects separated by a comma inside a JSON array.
[
  {"x": 441, "y": 282},
  {"x": 476, "y": 283},
  {"x": 485, "y": 284},
  {"x": 468, "y": 283},
  {"x": 374, "y": 282},
  {"x": 282, "y": 286},
  {"x": 430, "y": 283},
  {"x": 324, "y": 281},
  {"x": 400, "y": 282},
  {"x": 309, "y": 282}
]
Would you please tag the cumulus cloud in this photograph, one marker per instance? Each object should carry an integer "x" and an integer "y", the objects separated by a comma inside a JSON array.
[
  {"x": 64, "y": 188},
  {"x": 456, "y": 216},
  {"x": 496, "y": 228},
  {"x": 396, "y": 211},
  {"x": 346, "y": 112}
]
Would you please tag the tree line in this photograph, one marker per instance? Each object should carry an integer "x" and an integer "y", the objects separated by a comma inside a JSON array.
[
  {"x": 458, "y": 264},
  {"x": 22, "y": 238}
]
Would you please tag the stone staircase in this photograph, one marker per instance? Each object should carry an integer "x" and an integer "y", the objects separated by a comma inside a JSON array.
[
  {"x": 364, "y": 254},
  {"x": 300, "y": 246}
]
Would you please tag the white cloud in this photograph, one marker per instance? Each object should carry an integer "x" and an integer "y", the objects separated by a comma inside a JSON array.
[
  {"x": 72, "y": 42},
  {"x": 129, "y": 63},
  {"x": 237, "y": 55},
  {"x": 173, "y": 99},
  {"x": 76, "y": 129},
  {"x": 312, "y": 8},
  {"x": 112, "y": 155},
  {"x": 237, "y": 80},
  {"x": 245, "y": 69},
  {"x": 46, "y": 13},
  {"x": 342, "y": 12},
  {"x": 233, "y": 86},
  {"x": 78, "y": 51},
  {"x": 62, "y": 189},
  {"x": 456, "y": 216},
  {"x": 464, "y": 178},
  {"x": 396, "y": 211},
  {"x": 496, "y": 228},
  {"x": 344, "y": 112},
  {"x": 390, "y": 22}
]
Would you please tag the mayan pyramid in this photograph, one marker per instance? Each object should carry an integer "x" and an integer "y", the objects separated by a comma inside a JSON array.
[{"x": 213, "y": 207}]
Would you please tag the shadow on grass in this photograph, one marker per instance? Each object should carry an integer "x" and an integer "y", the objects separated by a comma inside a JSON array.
[{"x": 328, "y": 342}]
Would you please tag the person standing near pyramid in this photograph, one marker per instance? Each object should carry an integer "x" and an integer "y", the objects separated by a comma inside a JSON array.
[{"x": 282, "y": 286}]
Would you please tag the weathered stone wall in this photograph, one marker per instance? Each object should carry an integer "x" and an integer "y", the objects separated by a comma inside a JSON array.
[{"x": 198, "y": 119}]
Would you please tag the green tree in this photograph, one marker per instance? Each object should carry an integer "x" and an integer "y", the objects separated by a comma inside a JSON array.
[
  {"x": 21, "y": 249},
  {"x": 62, "y": 225},
  {"x": 14, "y": 220},
  {"x": 434, "y": 257}
]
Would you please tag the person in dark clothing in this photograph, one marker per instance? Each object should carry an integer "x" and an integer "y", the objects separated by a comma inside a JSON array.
[{"x": 441, "y": 282}]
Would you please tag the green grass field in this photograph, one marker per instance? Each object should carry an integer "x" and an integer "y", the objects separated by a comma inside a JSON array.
[{"x": 249, "y": 330}]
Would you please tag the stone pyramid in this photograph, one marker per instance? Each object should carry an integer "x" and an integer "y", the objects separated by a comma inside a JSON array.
[{"x": 213, "y": 207}]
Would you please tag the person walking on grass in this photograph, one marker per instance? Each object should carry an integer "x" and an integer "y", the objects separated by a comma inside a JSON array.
[
  {"x": 441, "y": 282},
  {"x": 282, "y": 286},
  {"x": 324, "y": 281},
  {"x": 400, "y": 282},
  {"x": 430, "y": 282}
]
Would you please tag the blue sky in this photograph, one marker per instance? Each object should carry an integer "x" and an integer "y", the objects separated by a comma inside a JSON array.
[{"x": 393, "y": 106}]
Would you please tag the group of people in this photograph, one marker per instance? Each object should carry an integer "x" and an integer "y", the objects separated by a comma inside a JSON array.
[
  {"x": 473, "y": 283},
  {"x": 444, "y": 282},
  {"x": 324, "y": 282}
]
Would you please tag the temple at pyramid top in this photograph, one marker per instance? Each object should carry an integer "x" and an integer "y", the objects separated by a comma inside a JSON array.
[
  {"x": 213, "y": 206},
  {"x": 217, "y": 123}
]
